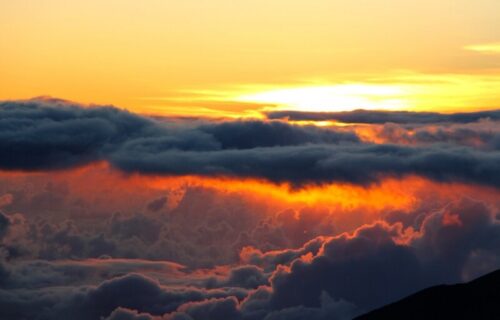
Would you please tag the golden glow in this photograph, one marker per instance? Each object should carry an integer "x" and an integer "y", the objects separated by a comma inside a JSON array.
[
  {"x": 332, "y": 98},
  {"x": 488, "y": 48},
  {"x": 153, "y": 57},
  {"x": 403, "y": 90}
]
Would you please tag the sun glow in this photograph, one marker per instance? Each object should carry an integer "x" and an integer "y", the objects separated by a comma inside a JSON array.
[
  {"x": 340, "y": 97},
  {"x": 402, "y": 90},
  {"x": 487, "y": 48}
]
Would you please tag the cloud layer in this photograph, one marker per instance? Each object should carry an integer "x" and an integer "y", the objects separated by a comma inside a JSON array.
[
  {"x": 81, "y": 237},
  {"x": 334, "y": 277},
  {"x": 42, "y": 135}
]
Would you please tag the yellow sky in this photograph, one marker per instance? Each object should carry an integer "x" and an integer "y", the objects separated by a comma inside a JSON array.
[{"x": 233, "y": 57}]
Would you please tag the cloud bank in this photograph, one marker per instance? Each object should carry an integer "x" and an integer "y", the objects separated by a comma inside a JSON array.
[{"x": 42, "y": 135}]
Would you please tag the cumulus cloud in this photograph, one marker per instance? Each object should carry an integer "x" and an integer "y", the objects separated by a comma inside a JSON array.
[{"x": 382, "y": 262}]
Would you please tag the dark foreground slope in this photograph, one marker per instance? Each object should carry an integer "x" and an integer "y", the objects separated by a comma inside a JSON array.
[{"x": 478, "y": 299}]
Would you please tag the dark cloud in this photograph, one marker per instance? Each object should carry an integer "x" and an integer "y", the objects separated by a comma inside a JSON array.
[
  {"x": 368, "y": 270},
  {"x": 41, "y": 134},
  {"x": 380, "y": 117},
  {"x": 132, "y": 291},
  {"x": 249, "y": 277},
  {"x": 254, "y": 134},
  {"x": 359, "y": 164},
  {"x": 48, "y": 135}
]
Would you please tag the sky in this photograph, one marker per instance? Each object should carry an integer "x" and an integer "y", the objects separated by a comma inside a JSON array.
[
  {"x": 232, "y": 58},
  {"x": 244, "y": 160}
]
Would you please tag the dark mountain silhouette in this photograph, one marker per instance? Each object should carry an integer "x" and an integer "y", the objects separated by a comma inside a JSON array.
[{"x": 478, "y": 299}]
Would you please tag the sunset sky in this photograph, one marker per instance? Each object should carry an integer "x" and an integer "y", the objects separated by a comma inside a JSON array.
[
  {"x": 245, "y": 159},
  {"x": 233, "y": 58}
]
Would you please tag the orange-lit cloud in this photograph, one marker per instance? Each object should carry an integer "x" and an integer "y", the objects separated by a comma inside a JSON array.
[{"x": 106, "y": 186}]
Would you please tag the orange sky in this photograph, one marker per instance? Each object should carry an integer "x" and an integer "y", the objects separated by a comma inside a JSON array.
[{"x": 233, "y": 58}]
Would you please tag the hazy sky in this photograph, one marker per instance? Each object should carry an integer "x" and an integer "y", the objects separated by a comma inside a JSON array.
[{"x": 180, "y": 56}]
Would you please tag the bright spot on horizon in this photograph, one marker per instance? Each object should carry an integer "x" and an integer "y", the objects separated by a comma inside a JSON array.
[
  {"x": 342, "y": 97},
  {"x": 486, "y": 48}
]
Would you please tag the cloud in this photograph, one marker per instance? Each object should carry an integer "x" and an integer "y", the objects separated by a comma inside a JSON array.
[
  {"x": 157, "y": 204},
  {"x": 483, "y": 135},
  {"x": 299, "y": 165},
  {"x": 46, "y": 135},
  {"x": 380, "y": 117},
  {"x": 36, "y": 274},
  {"x": 379, "y": 263},
  {"x": 6, "y": 200},
  {"x": 5, "y": 222},
  {"x": 367, "y": 269},
  {"x": 271, "y": 259},
  {"x": 212, "y": 309},
  {"x": 249, "y": 277},
  {"x": 127, "y": 314},
  {"x": 132, "y": 291},
  {"x": 254, "y": 134},
  {"x": 205, "y": 228}
]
